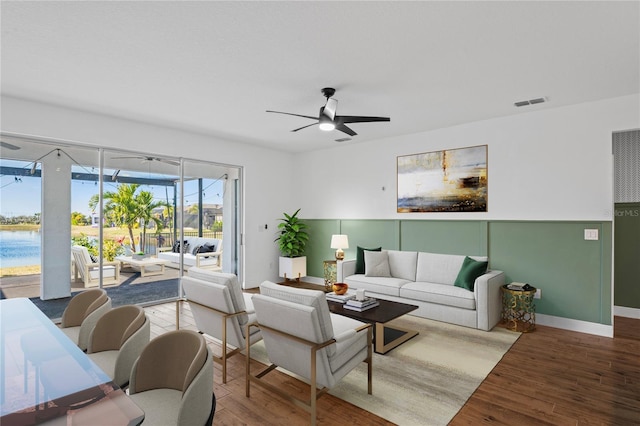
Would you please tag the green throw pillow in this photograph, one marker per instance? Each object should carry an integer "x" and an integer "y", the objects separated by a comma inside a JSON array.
[
  {"x": 470, "y": 270},
  {"x": 360, "y": 258}
]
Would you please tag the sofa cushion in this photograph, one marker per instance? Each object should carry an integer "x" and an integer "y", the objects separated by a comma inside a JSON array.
[
  {"x": 440, "y": 268},
  {"x": 360, "y": 258},
  {"x": 381, "y": 285},
  {"x": 469, "y": 271},
  {"x": 441, "y": 294},
  {"x": 402, "y": 264},
  {"x": 376, "y": 264}
]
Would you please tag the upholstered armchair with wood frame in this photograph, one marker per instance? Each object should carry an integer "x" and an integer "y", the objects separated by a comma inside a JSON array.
[
  {"x": 172, "y": 380},
  {"x": 118, "y": 339},
  {"x": 302, "y": 336},
  {"x": 220, "y": 310},
  {"x": 89, "y": 270},
  {"x": 82, "y": 313}
]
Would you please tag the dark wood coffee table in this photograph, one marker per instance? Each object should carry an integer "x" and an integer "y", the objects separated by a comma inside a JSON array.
[{"x": 385, "y": 337}]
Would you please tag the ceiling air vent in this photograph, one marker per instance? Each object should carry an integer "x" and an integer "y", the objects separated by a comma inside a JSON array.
[{"x": 530, "y": 102}]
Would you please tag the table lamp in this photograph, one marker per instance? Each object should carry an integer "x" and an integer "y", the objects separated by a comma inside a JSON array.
[{"x": 339, "y": 242}]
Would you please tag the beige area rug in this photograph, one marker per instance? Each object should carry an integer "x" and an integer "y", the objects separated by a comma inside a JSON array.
[{"x": 426, "y": 380}]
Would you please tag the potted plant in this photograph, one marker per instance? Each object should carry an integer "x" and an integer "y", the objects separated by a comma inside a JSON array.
[{"x": 291, "y": 242}]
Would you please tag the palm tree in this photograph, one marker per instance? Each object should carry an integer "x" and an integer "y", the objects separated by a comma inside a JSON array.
[
  {"x": 146, "y": 205},
  {"x": 126, "y": 208}
]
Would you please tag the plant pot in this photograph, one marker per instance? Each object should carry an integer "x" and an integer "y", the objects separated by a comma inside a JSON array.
[{"x": 293, "y": 267}]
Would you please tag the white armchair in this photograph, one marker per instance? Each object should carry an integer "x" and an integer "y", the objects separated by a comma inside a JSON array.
[
  {"x": 220, "y": 310},
  {"x": 89, "y": 271},
  {"x": 303, "y": 337}
]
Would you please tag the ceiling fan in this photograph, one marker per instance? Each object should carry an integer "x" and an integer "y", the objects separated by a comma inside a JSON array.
[
  {"x": 328, "y": 120},
  {"x": 145, "y": 158}
]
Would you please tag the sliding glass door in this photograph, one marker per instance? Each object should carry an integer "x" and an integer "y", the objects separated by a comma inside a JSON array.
[{"x": 119, "y": 219}]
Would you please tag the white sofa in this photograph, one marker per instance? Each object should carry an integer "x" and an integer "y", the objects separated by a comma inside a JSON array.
[
  {"x": 427, "y": 281},
  {"x": 191, "y": 257}
]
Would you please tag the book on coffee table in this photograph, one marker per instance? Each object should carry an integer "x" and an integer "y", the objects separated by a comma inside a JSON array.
[
  {"x": 362, "y": 303},
  {"x": 341, "y": 298},
  {"x": 361, "y": 308}
]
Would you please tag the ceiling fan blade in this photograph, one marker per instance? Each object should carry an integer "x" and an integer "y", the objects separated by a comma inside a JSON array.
[
  {"x": 345, "y": 129},
  {"x": 304, "y": 127},
  {"x": 359, "y": 119},
  {"x": 296, "y": 115},
  {"x": 7, "y": 145},
  {"x": 330, "y": 108}
]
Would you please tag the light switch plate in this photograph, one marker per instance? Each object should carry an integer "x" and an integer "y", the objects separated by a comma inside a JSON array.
[{"x": 591, "y": 234}]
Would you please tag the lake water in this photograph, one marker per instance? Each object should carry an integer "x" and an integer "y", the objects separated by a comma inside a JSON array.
[{"x": 19, "y": 248}]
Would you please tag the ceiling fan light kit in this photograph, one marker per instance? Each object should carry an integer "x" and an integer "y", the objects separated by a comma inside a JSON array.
[{"x": 328, "y": 120}]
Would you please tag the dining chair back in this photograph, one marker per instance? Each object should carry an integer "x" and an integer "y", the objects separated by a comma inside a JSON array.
[{"x": 172, "y": 380}]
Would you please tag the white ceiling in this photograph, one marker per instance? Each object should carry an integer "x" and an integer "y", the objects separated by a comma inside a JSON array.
[{"x": 215, "y": 67}]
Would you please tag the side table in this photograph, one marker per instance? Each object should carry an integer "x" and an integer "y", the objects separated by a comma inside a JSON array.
[
  {"x": 330, "y": 273},
  {"x": 518, "y": 309}
]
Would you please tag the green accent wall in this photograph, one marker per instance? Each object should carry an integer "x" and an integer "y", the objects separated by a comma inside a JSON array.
[
  {"x": 627, "y": 255},
  {"x": 555, "y": 257},
  {"x": 448, "y": 237},
  {"x": 574, "y": 274}
]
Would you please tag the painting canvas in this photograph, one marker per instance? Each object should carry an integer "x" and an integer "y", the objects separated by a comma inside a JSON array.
[{"x": 453, "y": 180}]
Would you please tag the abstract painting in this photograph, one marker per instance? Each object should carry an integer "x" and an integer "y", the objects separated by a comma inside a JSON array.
[{"x": 453, "y": 180}]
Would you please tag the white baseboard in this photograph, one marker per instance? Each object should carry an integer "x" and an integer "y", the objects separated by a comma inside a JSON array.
[
  {"x": 575, "y": 325},
  {"x": 623, "y": 311}
]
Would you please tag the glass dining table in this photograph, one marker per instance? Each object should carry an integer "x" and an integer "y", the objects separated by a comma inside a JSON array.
[{"x": 46, "y": 379}]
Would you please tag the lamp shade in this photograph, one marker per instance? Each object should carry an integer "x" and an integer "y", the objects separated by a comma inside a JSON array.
[{"x": 339, "y": 241}]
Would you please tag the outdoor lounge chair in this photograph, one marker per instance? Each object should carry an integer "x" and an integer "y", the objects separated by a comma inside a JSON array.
[{"x": 89, "y": 271}]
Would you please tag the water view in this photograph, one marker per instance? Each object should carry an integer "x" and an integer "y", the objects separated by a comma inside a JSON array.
[{"x": 19, "y": 248}]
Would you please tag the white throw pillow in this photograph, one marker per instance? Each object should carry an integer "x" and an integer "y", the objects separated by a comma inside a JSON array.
[{"x": 376, "y": 264}]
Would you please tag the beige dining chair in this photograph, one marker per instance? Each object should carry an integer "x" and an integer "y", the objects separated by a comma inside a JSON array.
[
  {"x": 82, "y": 313},
  {"x": 172, "y": 380},
  {"x": 117, "y": 340},
  {"x": 302, "y": 336},
  {"x": 220, "y": 310}
]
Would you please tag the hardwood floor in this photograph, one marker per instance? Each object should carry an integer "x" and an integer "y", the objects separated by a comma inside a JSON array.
[{"x": 550, "y": 376}]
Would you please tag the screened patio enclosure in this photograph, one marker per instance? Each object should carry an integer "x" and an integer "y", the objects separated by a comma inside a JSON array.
[{"x": 92, "y": 186}]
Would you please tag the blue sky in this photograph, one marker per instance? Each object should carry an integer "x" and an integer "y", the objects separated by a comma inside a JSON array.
[{"x": 22, "y": 197}]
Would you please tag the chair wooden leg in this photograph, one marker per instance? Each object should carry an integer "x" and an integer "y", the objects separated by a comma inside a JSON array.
[{"x": 369, "y": 361}]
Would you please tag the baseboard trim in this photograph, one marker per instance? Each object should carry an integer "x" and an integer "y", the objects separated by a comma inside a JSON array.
[
  {"x": 623, "y": 311},
  {"x": 575, "y": 325}
]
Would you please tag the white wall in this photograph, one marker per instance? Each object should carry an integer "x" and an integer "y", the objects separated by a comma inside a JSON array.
[
  {"x": 265, "y": 172},
  {"x": 550, "y": 164}
]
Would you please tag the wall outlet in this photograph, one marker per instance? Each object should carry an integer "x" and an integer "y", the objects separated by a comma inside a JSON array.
[{"x": 538, "y": 294}]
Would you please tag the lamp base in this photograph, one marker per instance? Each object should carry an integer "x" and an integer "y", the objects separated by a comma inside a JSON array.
[{"x": 339, "y": 254}]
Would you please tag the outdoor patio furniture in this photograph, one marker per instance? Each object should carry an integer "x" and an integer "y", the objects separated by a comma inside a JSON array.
[{"x": 89, "y": 271}]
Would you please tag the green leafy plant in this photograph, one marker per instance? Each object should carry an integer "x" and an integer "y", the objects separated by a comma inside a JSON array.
[
  {"x": 85, "y": 241},
  {"x": 293, "y": 235},
  {"x": 111, "y": 249}
]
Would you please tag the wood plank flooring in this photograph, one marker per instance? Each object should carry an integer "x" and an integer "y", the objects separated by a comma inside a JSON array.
[{"x": 549, "y": 377}]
